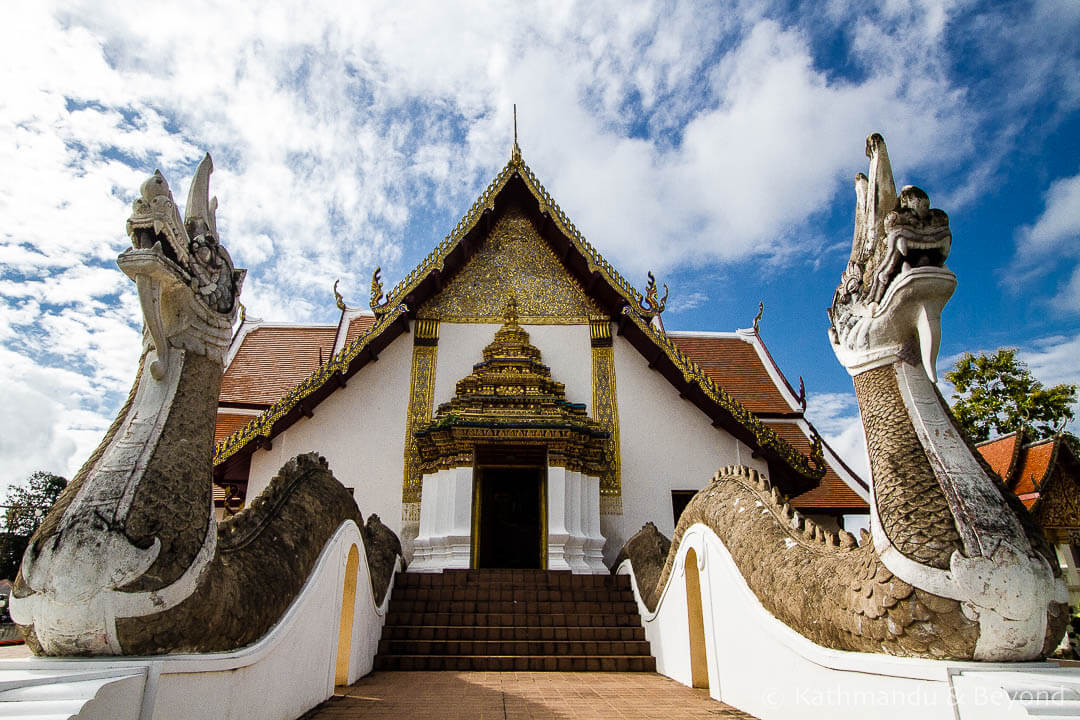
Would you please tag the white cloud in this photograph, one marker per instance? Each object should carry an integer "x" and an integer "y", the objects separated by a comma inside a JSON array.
[
  {"x": 1054, "y": 239},
  {"x": 682, "y": 303},
  {"x": 674, "y": 134},
  {"x": 836, "y": 416},
  {"x": 1053, "y": 360}
]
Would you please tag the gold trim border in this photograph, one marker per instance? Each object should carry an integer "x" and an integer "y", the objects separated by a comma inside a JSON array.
[
  {"x": 523, "y": 320},
  {"x": 605, "y": 405},
  {"x": 421, "y": 398},
  {"x": 263, "y": 424}
]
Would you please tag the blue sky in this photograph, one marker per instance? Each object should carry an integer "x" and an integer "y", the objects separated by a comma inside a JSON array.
[{"x": 714, "y": 144}]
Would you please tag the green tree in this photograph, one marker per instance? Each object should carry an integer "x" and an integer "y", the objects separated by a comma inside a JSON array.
[
  {"x": 996, "y": 394},
  {"x": 26, "y": 506}
]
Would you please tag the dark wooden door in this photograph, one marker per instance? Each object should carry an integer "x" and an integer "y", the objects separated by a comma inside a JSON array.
[{"x": 510, "y": 524}]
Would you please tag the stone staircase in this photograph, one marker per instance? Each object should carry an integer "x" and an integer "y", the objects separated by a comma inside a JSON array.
[{"x": 513, "y": 620}]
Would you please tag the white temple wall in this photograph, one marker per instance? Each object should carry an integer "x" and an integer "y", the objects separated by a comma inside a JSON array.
[
  {"x": 360, "y": 430},
  {"x": 666, "y": 443},
  {"x": 566, "y": 349}
]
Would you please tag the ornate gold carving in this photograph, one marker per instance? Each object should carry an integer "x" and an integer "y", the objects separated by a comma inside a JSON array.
[
  {"x": 338, "y": 299},
  {"x": 604, "y": 405},
  {"x": 1057, "y": 510},
  {"x": 421, "y": 398},
  {"x": 486, "y": 201},
  {"x": 427, "y": 332},
  {"x": 377, "y": 305},
  {"x": 653, "y": 303},
  {"x": 512, "y": 261},
  {"x": 510, "y": 398}
]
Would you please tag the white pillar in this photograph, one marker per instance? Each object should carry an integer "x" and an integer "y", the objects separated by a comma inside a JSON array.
[
  {"x": 575, "y": 543},
  {"x": 445, "y": 536},
  {"x": 594, "y": 539},
  {"x": 557, "y": 532}
]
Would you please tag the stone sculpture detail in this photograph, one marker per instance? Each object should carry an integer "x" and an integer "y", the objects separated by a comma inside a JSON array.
[
  {"x": 130, "y": 560},
  {"x": 954, "y": 567}
]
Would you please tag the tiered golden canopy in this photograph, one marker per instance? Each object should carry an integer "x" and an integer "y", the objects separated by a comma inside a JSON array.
[{"x": 510, "y": 399}]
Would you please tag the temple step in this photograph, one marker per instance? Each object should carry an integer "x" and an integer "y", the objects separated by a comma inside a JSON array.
[
  {"x": 495, "y": 632},
  {"x": 513, "y": 620},
  {"x": 519, "y": 663}
]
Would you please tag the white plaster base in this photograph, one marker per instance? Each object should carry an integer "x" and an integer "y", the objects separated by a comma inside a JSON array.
[
  {"x": 290, "y": 670},
  {"x": 445, "y": 537},
  {"x": 574, "y": 541},
  {"x": 761, "y": 666}
]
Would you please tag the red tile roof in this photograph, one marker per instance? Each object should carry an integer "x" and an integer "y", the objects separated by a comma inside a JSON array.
[
  {"x": 1033, "y": 467},
  {"x": 228, "y": 423},
  {"x": 357, "y": 327},
  {"x": 832, "y": 492},
  {"x": 1001, "y": 454},
  {"x": 736, "y": 366},
  {"x": 271, "y": 360},
  {"x": 1023, "y": 468}
]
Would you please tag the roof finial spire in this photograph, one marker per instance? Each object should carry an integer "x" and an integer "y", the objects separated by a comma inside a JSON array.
[{"x": 515, "y": 153}]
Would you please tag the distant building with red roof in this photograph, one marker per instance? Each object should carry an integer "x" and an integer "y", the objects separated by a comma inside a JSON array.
[{"x": 1045, "y": 475}]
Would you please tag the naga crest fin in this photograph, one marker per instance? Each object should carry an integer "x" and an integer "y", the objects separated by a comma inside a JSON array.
[{"x": 200, "y": 208}]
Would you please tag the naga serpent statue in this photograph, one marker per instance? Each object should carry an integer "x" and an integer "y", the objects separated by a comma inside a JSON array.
[
  {"x": 954, "y": 567},
  {"x": 130, "y": 560}
]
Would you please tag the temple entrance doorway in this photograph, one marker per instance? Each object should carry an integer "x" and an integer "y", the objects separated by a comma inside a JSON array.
[{"x": 509, "y": 529}]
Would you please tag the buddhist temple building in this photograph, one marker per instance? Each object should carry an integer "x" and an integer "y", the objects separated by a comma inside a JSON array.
[
  {"x": 515, "y": 402},
  {"x": 1045, "y": 475}
]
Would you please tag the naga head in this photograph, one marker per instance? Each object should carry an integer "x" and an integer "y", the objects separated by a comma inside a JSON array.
[
  {"x": 896, "y": 282},
  {"x": 188, "y": 287},
  {"x": 191, "y": 244}
]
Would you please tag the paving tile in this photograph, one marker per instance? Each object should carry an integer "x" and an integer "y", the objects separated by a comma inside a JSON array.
[{"x": 520, "y": 695}]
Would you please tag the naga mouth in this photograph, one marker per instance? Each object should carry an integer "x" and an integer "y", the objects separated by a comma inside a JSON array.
[
  {"x": 922, "y": 247},
  {"x": 921, "y": 254}
]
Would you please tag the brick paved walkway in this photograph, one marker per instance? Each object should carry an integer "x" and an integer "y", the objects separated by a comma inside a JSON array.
[{"x": 450, "y": 695}]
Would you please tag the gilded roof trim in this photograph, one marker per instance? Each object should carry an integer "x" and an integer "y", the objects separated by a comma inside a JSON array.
[
  {"x": 263, "y": 424},
  {"x": 486, "y": 201},
  {"x": 390, "y": 310},
  {"x": 813, "y": 467}
]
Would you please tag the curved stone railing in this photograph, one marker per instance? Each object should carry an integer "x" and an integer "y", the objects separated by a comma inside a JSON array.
[
  {"x": 761, "y": 666},
  {"x": 292, "y": 668}
]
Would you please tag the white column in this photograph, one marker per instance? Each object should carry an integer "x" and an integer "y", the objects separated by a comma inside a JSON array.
[
  {"x": 422, "y": 544},
  {"x": 459, "y": 525},
  {"x": 575, "y": 543},
  {"x": 445, "y": 536},
  {"x": 557, "y": 532},
  {"x": 594, "y": 539}
]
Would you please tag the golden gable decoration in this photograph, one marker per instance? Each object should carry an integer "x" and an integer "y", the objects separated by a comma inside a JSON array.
[
  {"x": 513, "y": 261},
  {"x": 392, "y": 312}
]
